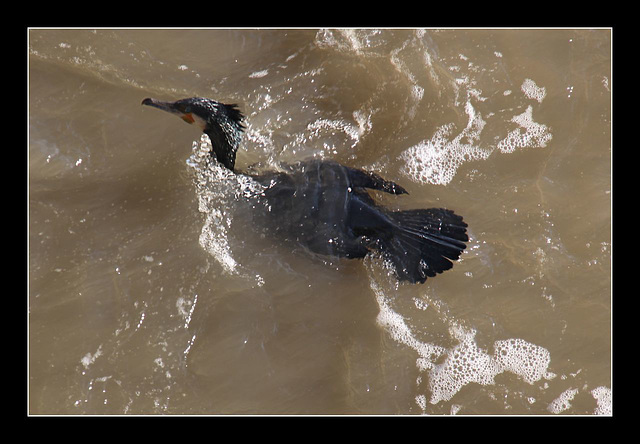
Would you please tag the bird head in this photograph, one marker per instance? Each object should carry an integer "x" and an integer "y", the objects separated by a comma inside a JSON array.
[{"x": 221, "y": 122}]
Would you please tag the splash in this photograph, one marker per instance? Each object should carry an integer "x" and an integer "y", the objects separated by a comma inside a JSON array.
[
  {"x": 361, "y": 41},
  {"x": 216, "y": 188},
  {"x": 213, "y": 239}
]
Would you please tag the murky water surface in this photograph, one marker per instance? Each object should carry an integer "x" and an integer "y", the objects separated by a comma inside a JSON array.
[{"x": 150, "y": 291}]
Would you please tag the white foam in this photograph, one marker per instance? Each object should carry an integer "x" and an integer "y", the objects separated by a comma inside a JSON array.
[
  {"x": 421, "y": 400},
  {"x": 89, "y": 358},
  {"x": 437, "y": 160},
  {"x": 536, "y": 135},
  {"x": 396, "y": 326},
  {"x": 529, "y": 361},
  {"x": 465, "y": 362},
  {"x": 259, "y": 74},
  {"x": 417, "y": 92},
  {"x": 603, "y": 398},
  {"x": 533, "y": 91},
  {"x": 562, "y": 402},
  {"x": 363, "y": 120},
  {"x": 403, "y": 60},
  {"x": 354, "y": 132}
]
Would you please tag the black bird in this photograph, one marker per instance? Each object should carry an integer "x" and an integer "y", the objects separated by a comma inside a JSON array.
[{"x": 325, "y": 206}]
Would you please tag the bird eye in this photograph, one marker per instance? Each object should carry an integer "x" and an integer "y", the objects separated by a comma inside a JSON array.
[{"x": 187, "y": 109}]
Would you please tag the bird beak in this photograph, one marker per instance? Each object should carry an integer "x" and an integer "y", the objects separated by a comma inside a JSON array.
[
  {"x": 165, "y": 106},
  {"x": 170, "y": 108}
]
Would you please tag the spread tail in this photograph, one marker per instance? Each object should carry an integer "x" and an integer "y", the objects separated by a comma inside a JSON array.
[{"x": 421, "y": 243}]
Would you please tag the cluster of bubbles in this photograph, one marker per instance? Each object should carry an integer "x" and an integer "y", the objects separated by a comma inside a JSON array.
[
  {"x": 467, "y": 362},
  {"x": 464, "y": 363},
  {"x": 436, "y": 160}
]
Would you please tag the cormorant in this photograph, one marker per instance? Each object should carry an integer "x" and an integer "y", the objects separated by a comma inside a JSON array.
[{"x": 325, "y": 206}]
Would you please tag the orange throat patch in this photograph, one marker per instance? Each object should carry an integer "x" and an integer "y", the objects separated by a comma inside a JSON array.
[{"x": 188, "y": 118}]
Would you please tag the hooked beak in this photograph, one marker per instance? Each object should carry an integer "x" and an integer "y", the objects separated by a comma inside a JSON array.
[
  {"x": 165, "y": 106},
  {"x": 168, "y": 107}
]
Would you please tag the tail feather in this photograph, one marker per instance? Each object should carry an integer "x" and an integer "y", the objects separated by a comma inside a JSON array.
[{"x": 422, "y": 243}]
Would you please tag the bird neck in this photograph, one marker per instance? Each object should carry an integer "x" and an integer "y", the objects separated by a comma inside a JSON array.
[
  {"x": 223, "y": 149},
  {"x": 225, "y": 133}
]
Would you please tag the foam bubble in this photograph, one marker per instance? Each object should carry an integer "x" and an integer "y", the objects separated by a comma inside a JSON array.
[
  {"x": 529, "y": 361},
  {"x": 533, "y": 91},
  {"x": 562, "y": 402},
  {"x": 437, "y": 160},
  {"x": 603, "y": 398},
  {"x": 421, "y": 400},
  {"x": 465, "y": 363},
  {"x": 535, "y": 135},
  {"x": 417, "y": 92}
]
